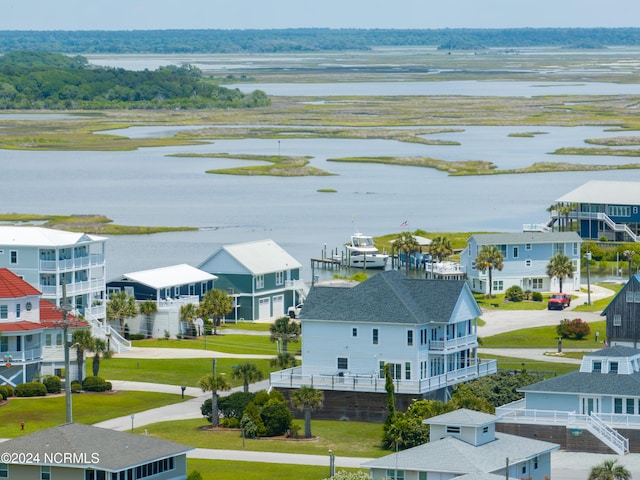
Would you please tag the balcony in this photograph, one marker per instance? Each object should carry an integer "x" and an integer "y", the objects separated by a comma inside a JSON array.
[
  {"x": 30, "y": 355},
  {"x": 71, "y": 263},
  {"x": 176, "y": 303},
  {"x": 453, "y": 344}
]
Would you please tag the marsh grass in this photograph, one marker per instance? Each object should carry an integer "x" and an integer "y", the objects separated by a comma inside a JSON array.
[{"x": 278, "y": 166}]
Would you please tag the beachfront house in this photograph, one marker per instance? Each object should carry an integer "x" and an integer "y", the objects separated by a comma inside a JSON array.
[
  {"x": 31, "y": 333},
  {"x": 260, "y": 276},
  {"x": 464, "y": 444},
  {"x": 623, "y": 313},
  {"x": 426, "y": 329},
  {"x": 169, "y": 288},
  {"x": 74, "y": 451},
  {"x": 525, "y": 258},
  {"x": 602, "y": 209}
]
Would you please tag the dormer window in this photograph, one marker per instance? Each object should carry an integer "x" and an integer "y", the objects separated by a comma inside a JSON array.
[
  {"x": 597, "y": 367},
  {"x": 613, "y": 367}
]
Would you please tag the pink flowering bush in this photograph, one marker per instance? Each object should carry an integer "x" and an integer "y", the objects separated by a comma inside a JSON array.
[{"x": 575, "y": 329}]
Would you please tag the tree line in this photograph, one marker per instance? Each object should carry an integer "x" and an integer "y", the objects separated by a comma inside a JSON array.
[
  {"x": 307, "y": 39},
  {"x": 44, "y": 80}
]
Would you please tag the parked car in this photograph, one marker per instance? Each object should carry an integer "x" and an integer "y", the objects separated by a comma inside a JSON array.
[
  {"x": 559, "y": 301},
  {"x": 294, "y": 312}
]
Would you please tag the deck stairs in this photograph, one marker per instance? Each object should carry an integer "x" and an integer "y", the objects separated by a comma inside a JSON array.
[
  {"x": 605, "y": 433},
  {"x": 117, "y": 343}
]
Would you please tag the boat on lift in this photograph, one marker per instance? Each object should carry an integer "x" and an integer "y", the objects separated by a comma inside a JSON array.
[{"x": 362, "y": 253}]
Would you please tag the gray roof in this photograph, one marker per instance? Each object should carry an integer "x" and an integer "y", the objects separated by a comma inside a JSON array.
[
  {"x": 525, "y": 237},
  {"x": 387, "y": 297},
  {"x": 598, "y": 191},
  {"x": 116, "y": 450},
  {"x": 588, "y": 383},
  {"x": 453, "y": 455},
  {"x": 614, "y": 351},
  {"x": 258, "y": 257},
  {"x": 462, "y": 416}
]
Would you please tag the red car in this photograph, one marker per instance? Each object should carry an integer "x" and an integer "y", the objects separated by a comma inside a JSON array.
[{"x": 559, "y": 301}]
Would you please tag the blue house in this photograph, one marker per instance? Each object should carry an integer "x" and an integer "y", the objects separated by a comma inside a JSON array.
[
  {"x": 604, "y": 209},
  {"x": 526, "y": 255},
  {"x": 263, "y": 279}
]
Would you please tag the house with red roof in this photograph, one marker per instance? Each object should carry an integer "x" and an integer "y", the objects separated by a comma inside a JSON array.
[{"x": 31, "y": 333}]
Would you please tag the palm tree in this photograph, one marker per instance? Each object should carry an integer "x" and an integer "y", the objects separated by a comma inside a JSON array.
[
  {"x": 188, "y": 313},
  {"x": 628, "y": 256},
  {"x": 440, "y": 248},
  {"x": 248, "y": 372},
  {"x": 283, "y": 360},
  {"x": 83, "y": 341},
  {"x": 560, "y": 266},
  {"x": 285, "y": 330},
  {"x": 608, "y": 470},
  {"x": 100, "y": 348},
  {"x": 408, "y": 244},
  {"x": 213, "y": 382},
  {"x": 120, "y": 307},
  {"x": 307, "y": 399},
  {"x": 148, "y": 308},
  {"x": 489, "y": 257},
  {"x": 215, "y": 305}
]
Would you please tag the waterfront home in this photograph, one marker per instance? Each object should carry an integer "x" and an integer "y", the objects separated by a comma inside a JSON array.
[
  {"x": 464, "y": 444},
  {"x": 31, "y": 333},
  {"x": 622, "y": 315},
  {"x": 603, "y": 210},
  {"x": 74, "y": 451},
  {"x": 260, "y": 276},
  {"x": 169, "y": 288},
  {"x": 525, "y": 259},
  {"x": 425, "y": 329}
]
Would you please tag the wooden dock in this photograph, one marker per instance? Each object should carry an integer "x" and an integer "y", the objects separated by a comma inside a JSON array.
[{"x": 326, "y": 263}]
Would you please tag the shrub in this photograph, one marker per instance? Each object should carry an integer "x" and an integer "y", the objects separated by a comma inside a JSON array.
[
  {"x": 276, "y": 417},
  {"x": 576, "y": 329},
  {"x": 195, "y": 475},
  {"x": 8, "y": 391},
  {"x": 536, "y": 296},
  {"x": 137, "y": 336},
  {"x": 52, "y": 383},
  {"x": 3, "y": 394},
  {"x": 514, "y": 294},
  {"x": 232, "y": 406},
  {"x": 31, "y": 389},
  {"x": 230, "y": 423},
  {"x": 96, "y": 384}
]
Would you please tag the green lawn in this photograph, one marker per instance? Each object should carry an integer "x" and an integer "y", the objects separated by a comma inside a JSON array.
[
  {"x": 229, "y": 470},
  {"x": 226, "y": 343},
  {"x": 180, "y": 371},
  {"x": 551, "y": 368},
  {"x": 43, "y": 412},
  {"x": 251, "y": 326},
  {"x": 344, "y": 438},
  {"x": 543, "y": 337}
]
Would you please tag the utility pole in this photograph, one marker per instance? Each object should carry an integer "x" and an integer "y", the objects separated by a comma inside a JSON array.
[{"x": 64, "y": 308}]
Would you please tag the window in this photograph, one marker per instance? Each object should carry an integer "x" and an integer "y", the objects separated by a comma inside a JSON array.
[
  {"x": 203, "y": 288},
  {"x": 4, "y": 311},
  {"x": 629, "y": 297},
  {"x": 422, "y": 475},
  {"x": 354, "y": 332},
  {"x": 619, "y": 211},
  {"x": 18, "y": 310},
  {"x": 59, "y": 339},
  {"x": 485, "y": 429},
  {"x": 374, "y": 336},
  {"x": 613, "y": 367},
  {"x": 453, "y": 429},
  {"x": 524, "y": 470},
  {"x": 538, "y": 283},
  {"x": 409, "y": 338},
  {"x": 630, "y": 404},
  {"x": 575, "y": 249},
  {"x": 535, "y": 463},
  {"x": 279, "y": 278},
  {"x": 516, "y": 251},
  {"x": 597, "y": 367},
  {"x": 617, "y": 320},
  {"x": 45, "y": 473},
  {"x": 395, "y": 474},
  {"x": 558, "y": 248},
  {"x": 14, "y": 257},
  {"x": 407, "y": 370},
  {"x": 617, "y": 405},
  {"x": 259, "y": 281},
  {"x": 636, "y": 297},
  {"x": 527, "y": 262},
  {"x": 498, "y": 285},
  {"x": 343, "y": 363},
  {"x": 47, "y": 340},
  {"x": 4, "y": 470},
  {"x": 503, "y": 250},
  {"x": 527, "y": 246}
]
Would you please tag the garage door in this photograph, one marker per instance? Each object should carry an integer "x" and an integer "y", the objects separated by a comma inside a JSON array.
[
  {"x": 278, "y": 305},
  {"x": 264, "y": 309}
]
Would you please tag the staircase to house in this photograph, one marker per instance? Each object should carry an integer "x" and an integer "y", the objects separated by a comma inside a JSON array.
[
  {"x": 117, "y": 343},
  {"x": 606, "y": 434}
]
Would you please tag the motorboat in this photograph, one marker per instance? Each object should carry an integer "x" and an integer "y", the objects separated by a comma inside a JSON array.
[{"x": 362, "y": 253}]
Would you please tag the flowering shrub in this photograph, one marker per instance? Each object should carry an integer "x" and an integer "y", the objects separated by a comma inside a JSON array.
[{"x": 576, "y": 329}]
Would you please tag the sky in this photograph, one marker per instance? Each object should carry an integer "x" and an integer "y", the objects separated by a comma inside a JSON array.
[{"x": 265, "y": 14}]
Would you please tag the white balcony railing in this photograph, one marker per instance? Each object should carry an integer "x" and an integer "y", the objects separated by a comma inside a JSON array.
[
  {"x": 453, "y": 343},
  {"x": 21, "y": 356},
  {"x": 169, "y": 303}
]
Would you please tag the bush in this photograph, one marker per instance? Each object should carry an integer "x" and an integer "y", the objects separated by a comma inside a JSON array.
[
  {"x": 536, "y": 296},
  {"x": 137, "y": 336},
  {"x": 8, "y": 391},
  {"x": 514, "y": 294},
  {"x": 575, "y": 329},
  {"x": 31, "y": 389},
  {"x": 276, "y": 418},
  {"x": 232, "y": 406},
  {"x": 3, "y": 394},
  {"x": 96, "y": 384},
  {"x": 230, "y": 423},
  {"x": 52, "y": 383},
  {"x": 76, "y": 386}
]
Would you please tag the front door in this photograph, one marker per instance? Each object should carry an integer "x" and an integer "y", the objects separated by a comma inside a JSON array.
[{"x": 590, "y": 404}]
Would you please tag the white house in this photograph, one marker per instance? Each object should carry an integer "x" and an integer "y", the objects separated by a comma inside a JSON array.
[
  {"x": 31, "y": 333},
  {"x": 526, "y": 256},
  {"x": 464, "y": 444},
  {"x": 427, "y": 330}
]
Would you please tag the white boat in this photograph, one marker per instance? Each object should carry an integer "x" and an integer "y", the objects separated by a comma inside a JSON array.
[{"x": 362, "y": 253}]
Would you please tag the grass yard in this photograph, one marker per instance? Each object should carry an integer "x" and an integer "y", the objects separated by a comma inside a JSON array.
[
  {"x": 543, "y": 337},
  {"x": 179, "y": 371},
  {"x": 43, "y": 412},
  {"x": 225, "y": 343},
  {"x": 350, "y": 439},
  {"x": 548, "y": 368},
  {"x": 229, "y": 470}
]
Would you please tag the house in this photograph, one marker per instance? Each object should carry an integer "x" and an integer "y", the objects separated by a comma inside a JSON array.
[
  {"x": 426, "y": 329},
  {"x": 263, "y": 279},
  {"x": 623, "y": 314},
  {"x": 526, "y": 256},
  {"x": 464, "y": 444},
  {"x": 83, "y": 452},
  {"x": 603, "y": 209},
  {"x": 31, "y": 333},
  {"x": 170, "y": 288}
]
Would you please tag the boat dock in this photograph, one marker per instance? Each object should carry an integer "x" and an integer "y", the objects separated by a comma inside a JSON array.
[{"x": 326, "y": 263}]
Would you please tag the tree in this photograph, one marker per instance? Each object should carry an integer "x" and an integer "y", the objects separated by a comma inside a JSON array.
[
  {"x": 215, "y": 305},
  {"x": 608, "y": 470},
  {"x": 628, "y": 256},
  {"x": 440, "y": 248},
  {"x": 188, "y": 313},
  {"x": 560, "y": 266},
  {"x": 489, "y": 258},
  {"x": 285, "y": 330},
  {"x": 408, "y": 244},
  {"x": 213, "y": 382},
  {"x": 99, "y": 348},
  {"x": 148, "y": 308},
  {"x": 307, "y": 399},
  {"x": 120, "y": 307},
  {"x": 83, "y": 341},
  {"x": 283, "y": 360},
  {"x": 248, "y": 372}
]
